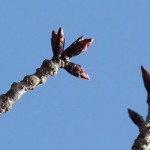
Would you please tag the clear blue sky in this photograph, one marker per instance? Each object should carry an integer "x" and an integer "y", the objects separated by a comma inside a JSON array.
[{"x": 67, "y": 113}]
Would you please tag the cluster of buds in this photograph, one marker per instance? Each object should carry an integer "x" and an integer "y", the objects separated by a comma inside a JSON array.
[
  {"x": 60, "y": 59},
  {"x": 143, "y": 140},
  {"x": 77, "y": 47}
]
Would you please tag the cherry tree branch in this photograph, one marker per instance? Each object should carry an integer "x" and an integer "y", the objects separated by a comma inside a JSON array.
[
  {"x": 142, "y": 142},
  {"x": 61, "y": 59}
]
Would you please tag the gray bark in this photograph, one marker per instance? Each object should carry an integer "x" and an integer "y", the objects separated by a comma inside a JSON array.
[{"x": 29, "y": 82}]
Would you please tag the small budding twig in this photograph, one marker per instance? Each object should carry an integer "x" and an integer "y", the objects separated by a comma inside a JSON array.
[
  {"x": 142, "y": 142},
  {"x": 61, "y": 59}
]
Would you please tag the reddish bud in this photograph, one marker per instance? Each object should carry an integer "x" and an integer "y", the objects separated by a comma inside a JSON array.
[
  {"x": 76, "y": 70},
  {"x": 146, "y": 79},
  {"x": 78, "y": 46},
  {"x": 136, "y": 118},
  {"x": 57, "y": 42}
]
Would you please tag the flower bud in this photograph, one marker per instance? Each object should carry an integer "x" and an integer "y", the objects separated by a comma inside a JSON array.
[
  {"x": 136, "y": 118},
  {"x": 76, "y": 70},
  {"x": 78, "y": 46},
  {"x": 146, "y": 79},
  {"x": 57, "y": 42}
]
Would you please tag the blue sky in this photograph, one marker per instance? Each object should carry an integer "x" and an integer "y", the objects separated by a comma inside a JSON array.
[{"x": 68, "y": 113}]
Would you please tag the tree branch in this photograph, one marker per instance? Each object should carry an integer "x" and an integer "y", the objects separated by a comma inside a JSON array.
[
  {"x": 61, "y": 59},
  {"x": 142, "y": 142}
]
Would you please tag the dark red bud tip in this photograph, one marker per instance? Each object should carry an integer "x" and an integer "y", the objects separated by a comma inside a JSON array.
[
  {"x": 79, "y": 46},
  {"x": 136, "y": 118},
  {"x": 86, "y": 76},
  {"x": 87, "y": 43},
  {"x": 57, "y": 42},
  {"x": 53, "y": 33},
  {"x": 60, "y": 32},
  {"x": 146, "y": 79},
  {"x": 77, "y": 70}
]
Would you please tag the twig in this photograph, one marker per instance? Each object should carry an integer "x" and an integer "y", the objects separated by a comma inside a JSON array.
[
  {"x": 142, "y": 142},
  {"x": 60, "y": 59}
]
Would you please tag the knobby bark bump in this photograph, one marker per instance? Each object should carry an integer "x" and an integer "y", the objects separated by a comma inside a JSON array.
[
  {"x": 142, "y": 142},
  {"x": 61, "y": 59}
]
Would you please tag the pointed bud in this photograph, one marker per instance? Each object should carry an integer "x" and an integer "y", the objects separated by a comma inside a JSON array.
[
  {"x": 76, "y": 70},
  {"x": 57, "y": 42},
  {"x": 146, "y": 79},
  {"x": 78, "y": 46},
  {"x": 136, "y": 118}
]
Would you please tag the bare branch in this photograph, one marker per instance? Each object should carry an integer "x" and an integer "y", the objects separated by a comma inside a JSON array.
[
  {"x": 142, "y": 142},
  {"x": 48, "y": 68}
]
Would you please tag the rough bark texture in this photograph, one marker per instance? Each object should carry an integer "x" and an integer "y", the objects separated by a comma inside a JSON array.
[
  {"x": 48, "y": 68},
  {"x": 29, "y": 82},
  {"x": 142, "y": 142}
]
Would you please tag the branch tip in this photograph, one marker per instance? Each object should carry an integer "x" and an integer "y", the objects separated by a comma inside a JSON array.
[
  {"x": 60, "y": 59},
  {"x": 146, "y": 78}
]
